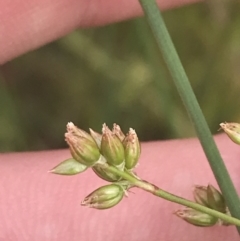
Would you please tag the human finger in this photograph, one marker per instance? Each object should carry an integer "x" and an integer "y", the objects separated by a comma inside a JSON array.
[{"x": 27, "y": 25}]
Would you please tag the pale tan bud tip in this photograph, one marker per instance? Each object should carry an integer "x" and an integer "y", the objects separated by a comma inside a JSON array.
[
  {"x": 105, "y": 129},
  {"x": 118, "y": 132},
  {"x": 232, "y": 130}
]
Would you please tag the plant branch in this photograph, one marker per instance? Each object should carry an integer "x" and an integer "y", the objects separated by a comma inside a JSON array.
[
  {"x": 170, "y": 197},
  {"x": 188, "y": 97}
]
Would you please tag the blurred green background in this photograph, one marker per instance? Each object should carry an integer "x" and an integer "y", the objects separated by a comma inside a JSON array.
[{"x": 116, "y": 74}]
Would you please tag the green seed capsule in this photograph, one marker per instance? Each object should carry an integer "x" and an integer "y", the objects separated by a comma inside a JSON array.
[
  {"x": 132, "y": 149},
  {"x": 107, "y": 176},
  {"x": 196, "y": 218},
  {"x": 232, "y": 130},
  {"x": 200, "y": 195},
  {"x": 215, "y": 199},
  {"x": 111, "y": 147},
  {"x": 104, "y": 197},
  {"x": 69, "y": 167},
  {"x": 82, "y": 146}
]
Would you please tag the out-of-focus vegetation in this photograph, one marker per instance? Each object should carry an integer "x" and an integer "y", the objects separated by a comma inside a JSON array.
[{"x": 116, "y": 74}]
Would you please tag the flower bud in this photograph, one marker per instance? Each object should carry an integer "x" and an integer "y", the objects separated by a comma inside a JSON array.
[
  {"x": 132, "y": 149},
  {"x": 96, "y": 136},
  {"x": 78, "y": 132},
  {"x": 200, "y": 195},
  {"x": 82, "y": 146},
  {"x": 69, "y": 167},
  {"x": 111, "y": 147},
  {"x": 104, "y": 197},
  {"x": 215, "y": 199},
  {"x": 104, "y": 174},
  {"x": 232, "y": 130},
  {"x": 118, "y": 132},
  {"x": 196, "y": 218}
]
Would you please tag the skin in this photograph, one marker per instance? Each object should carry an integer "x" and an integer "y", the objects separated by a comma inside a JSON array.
[
  {"x": 27, "y": 26},
  {"x": 37, "y": 205}
]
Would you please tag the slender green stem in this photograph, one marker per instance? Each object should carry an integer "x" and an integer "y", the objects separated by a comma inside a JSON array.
[
  {"x": 170, "y": 197},
  {"x": 186, "y": 93}
]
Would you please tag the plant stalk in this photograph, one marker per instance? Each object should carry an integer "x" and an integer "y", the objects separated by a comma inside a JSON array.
[
  {"x": 188, "y": 97},
  {"x": 149, "y": 187}
]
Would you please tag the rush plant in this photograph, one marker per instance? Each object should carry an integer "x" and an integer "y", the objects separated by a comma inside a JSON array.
[{"x": 114, "y": 156}]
